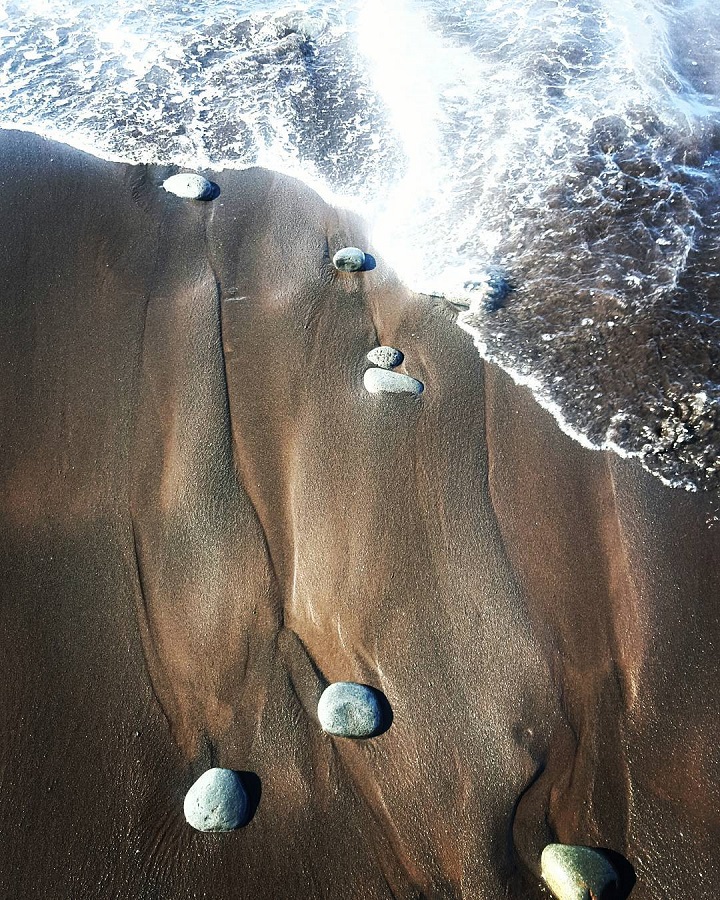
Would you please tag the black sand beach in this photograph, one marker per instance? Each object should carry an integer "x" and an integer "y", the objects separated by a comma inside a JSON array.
[{"x": 206, "y": 519}]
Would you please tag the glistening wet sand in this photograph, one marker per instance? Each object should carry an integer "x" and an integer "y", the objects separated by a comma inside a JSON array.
[{"x": 206, "y": 518}]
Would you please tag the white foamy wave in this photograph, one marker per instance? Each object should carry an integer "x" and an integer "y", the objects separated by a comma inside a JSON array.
[{"x": 494, "y": 108}]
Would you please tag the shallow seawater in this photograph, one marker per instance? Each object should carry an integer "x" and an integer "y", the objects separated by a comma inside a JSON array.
[{"x": 553, "y": 166}]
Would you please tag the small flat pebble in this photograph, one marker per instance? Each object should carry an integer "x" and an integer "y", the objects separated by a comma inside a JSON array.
[
  {"x": 351, "y": 710},
  {"x": 190, "y": 186},
  {"x": 576, "y": 873},
  {"x": 385, "y": 357},
  {"x": 349, "y": 259},
  {"x": 216, "y": 802},
  {"x": 381, "y": 381}
]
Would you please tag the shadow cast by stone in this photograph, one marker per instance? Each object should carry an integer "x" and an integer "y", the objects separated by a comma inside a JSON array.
[
  {"x": 625, "y": 872},
  {"x": 253, "y": 789},
  {"x": 386, "y": 713}
]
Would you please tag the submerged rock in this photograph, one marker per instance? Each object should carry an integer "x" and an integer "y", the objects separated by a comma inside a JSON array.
[
  {"x": 495, "y": 287},
  {"x": 381, "y": 381},
  {"x": 347, "y": 709},
  {"x": 385, "y": 357},
  {"x": 349, "y": 259},
  {"x": 190, "y": 186},
  {"x": 216, "y": 802},
  {"x": 576, "y": 873}
]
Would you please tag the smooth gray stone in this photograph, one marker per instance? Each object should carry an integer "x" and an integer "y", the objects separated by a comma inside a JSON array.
[
  {"x": 381, "y": 381},
  {"x": 347, "y": 709},
  {"x": 349, "y": 259},
  {"x": 385, "y": 357},
  {"x": 189, "y": 186},
  {"x": 216, "y": 802},
  {"x": 576, "y": 873}
]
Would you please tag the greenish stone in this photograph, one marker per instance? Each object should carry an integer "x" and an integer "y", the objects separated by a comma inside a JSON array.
[{"x": 576, "y": 873}]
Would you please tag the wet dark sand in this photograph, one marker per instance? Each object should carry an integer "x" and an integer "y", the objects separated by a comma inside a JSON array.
[{"x": 206, "y": 519}]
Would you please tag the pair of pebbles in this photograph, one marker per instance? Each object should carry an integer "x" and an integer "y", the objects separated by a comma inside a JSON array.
[
  {"x": 382, "y": 380},
  {"x": 191, "y": 186},
  {"x": 218, "y": 801},
  {"x": 379, "y": 380}
]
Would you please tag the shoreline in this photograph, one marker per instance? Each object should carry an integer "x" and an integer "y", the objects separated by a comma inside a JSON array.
[{"x": 540, "y": 391}]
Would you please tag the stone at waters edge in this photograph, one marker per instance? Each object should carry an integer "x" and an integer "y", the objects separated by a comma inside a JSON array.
[
  {"x": 382, "y": 381},
  {"x": 385, "y": 357},
  {"x": 347, "y": 709},
  {"x": 189, "y": 186},
  {"x": 216, "y": 802},
  {"x": 576, "y": 873},
  {"x": 349, "y": 259}
]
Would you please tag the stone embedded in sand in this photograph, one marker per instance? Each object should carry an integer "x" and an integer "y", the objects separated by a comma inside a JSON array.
[
  {"x": 576, "y": 873},
  {"x": 381, "y": 381},
  {"x": 349, "y": 259},
  {"x": 351, "y": 710},
  {"x": 216, "y": 802},
  {"x": 189, "y": 186},
  {"x": 385, "y": 357}
]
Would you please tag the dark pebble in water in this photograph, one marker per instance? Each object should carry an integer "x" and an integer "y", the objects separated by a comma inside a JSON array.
[
  {"x": 496, "y": 288},
  {"x": 381, "y": 381},
  {"x": 499, "y": 289},
  {"x": 351, "y": 710},
  {"x": 349, "y": 259},
  {"x": 216, "y": 802},
  {"x": 576, "y": 873},
  {"x": 385, "y": 357}
]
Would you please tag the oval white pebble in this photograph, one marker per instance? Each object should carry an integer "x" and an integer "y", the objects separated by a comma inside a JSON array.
[
  {"x": 189, "y": 185},
  {"x": 385, "y": 357},
  {"x": 347, "y": 709},
  {"x": 216, "y": 802},
  {"x": 349, "y": 259},
  {"x": 382, "y": 381}
]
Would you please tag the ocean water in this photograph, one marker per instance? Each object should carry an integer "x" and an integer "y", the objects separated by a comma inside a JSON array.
[{"x": 553, "y": 166}]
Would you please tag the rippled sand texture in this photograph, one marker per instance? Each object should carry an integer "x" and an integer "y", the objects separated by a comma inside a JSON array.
[{"x": 206, "y": 519}]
